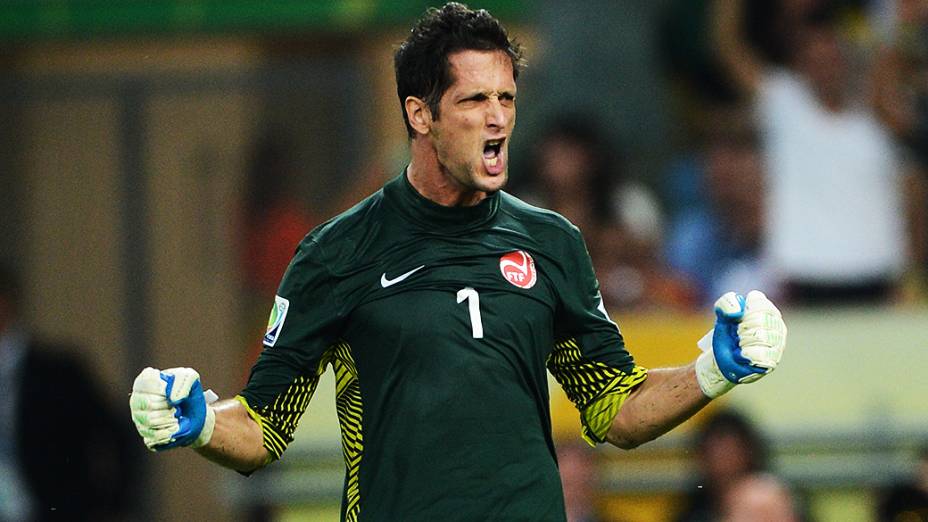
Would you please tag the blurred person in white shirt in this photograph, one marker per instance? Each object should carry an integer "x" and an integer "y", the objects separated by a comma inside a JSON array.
[{"x": 835, "y": 215}]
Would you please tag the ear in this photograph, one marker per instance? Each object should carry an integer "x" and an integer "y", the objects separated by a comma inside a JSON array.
[{"x": 419, "y": 114}]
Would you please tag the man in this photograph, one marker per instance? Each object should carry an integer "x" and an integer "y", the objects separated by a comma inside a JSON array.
[
  {"x": 439, "y": 300},
  {"x": 87, "y": 477}
]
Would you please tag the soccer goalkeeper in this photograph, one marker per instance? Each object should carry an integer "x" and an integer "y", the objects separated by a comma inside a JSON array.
[{"x": 440, "y": 301}]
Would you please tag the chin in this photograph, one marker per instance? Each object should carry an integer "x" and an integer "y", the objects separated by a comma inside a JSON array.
[{"x": 495, "y": 183}]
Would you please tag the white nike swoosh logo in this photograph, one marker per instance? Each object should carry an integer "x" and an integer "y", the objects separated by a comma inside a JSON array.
[{"x": 384, "y": 282}]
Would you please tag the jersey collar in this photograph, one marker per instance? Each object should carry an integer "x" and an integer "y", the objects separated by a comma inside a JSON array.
[{"x": 414, "y": 206}]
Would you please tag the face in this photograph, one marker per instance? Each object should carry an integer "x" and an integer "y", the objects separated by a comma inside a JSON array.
[
  {"x": 726, "y": 456},
  {"x": 822, "y": 61},
  {"x": 758, "y": 498},
  {"x": 476, "y": 117},
  {"x": 565, "y": 165}
]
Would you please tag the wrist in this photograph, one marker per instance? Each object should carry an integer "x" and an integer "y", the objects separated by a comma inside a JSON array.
[
  {"x": 206, "y": 434},
  {"x": 711, "y": 381}
]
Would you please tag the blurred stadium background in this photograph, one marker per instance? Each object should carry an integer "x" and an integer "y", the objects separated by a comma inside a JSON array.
[{"x": 129, "y": 132}]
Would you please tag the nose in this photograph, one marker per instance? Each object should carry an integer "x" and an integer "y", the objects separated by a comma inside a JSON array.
[{"x": 498, "y": 116}]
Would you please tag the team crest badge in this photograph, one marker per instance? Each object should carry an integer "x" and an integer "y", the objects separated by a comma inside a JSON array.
[
  {"x": 519, "y": 269},
  {"x": 276, "y": 321}
]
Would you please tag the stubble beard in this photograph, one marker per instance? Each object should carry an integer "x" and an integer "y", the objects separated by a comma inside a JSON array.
[{"x": 472, "y": 180}]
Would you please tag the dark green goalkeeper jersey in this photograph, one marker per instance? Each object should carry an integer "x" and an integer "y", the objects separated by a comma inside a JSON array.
[{"x": 439, "y": 324}]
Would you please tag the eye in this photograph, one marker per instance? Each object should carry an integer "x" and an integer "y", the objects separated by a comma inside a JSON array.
[{"x": 475, "y": 98}]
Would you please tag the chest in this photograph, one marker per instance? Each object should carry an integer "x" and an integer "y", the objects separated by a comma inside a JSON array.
[{"x": 464, "y": 303}]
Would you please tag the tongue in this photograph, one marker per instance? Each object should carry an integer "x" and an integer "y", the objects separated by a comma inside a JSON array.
[{"x": 493, "y": 162}]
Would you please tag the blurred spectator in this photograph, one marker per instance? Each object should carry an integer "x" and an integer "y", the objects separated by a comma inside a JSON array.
[
  {"x": 714, "y": 238},
  {"x": 728, "y": 448},
  {"x": 834, "y": 218},
  {"x": 580, "y": 478},
  {"x": 907, "y": 501},
  {"x": 901, "y": 98},
  {"x": 902, "y": 78},
  {"x": 759, "y": 497},
  {"x": 576, "y": 173},
  {"x": 64, "y": 452}
]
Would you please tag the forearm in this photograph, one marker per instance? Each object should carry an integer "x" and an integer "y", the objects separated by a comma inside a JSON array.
[
  {"x": 738, "y": 58},
  {"x": 665, "y": 399},
  {"x": 888, "y": 99},
  {"x": 237, "y": 440}
]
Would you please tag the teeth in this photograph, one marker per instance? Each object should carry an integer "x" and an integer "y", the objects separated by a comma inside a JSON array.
[{"x": 492, "y": 162}]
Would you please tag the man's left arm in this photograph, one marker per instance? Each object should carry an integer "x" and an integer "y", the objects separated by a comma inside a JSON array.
[
  {"x": 746, "y": 344},
  {"x": 666, "y": 398}
]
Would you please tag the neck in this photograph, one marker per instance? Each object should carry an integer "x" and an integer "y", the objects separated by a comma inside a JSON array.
[
  {"x": 832, "y": 99},
  {"x": 432, "y": 180}
]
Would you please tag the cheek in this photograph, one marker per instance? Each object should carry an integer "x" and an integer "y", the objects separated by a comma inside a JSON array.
[{"x": 461, "y": 134}]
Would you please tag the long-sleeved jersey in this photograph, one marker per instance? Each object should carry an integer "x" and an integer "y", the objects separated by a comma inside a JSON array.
[{"x": 439, "y": 323}]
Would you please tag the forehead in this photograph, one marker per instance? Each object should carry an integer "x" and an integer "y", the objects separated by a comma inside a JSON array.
[{"x": 481, "y": 71}]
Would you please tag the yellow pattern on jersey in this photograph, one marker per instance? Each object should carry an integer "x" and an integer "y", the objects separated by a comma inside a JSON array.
[
  {"x": 348, "y": 405},
  {"x": 279, "y": 420},
  {"x": 597, "y": 390}
]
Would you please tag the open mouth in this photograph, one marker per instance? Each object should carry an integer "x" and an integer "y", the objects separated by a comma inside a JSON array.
[{"x": 491, "y": 151}]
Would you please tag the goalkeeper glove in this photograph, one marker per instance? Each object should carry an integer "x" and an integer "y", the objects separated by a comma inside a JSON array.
[
  {"x": 746, "y": 343},
  {"x": 169, "y": 409}
]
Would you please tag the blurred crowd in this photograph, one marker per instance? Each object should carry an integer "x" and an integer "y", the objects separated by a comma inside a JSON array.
[
  {"x": 802, "y": 169},
  {"x": 807, "y": 168},
  {"x": 734, "y": 477}
]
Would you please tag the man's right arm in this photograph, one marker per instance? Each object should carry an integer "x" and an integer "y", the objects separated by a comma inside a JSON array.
[
  {"x": 744, "y": 66},
  {"x": 169, "y": 410},
  {"x": 237, "y": 441}
]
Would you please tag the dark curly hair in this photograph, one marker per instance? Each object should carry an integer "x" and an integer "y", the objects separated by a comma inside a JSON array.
[{"x": 421, "y": 61}]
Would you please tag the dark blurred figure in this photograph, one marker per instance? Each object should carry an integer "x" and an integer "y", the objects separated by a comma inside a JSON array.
[
  {"x": 714, "y": 237},
  {"x": 580, "y": 478},
  {"x": 64, "y": 453},
  {"x": 728, "y": 448},
  {"x": 907, "y": 501},
  {"x": 759, "y": 497},
  {"x": 901, "y": 98},
  {"x": 576, "y": 173},
  {"x": 835, "y": 219}
]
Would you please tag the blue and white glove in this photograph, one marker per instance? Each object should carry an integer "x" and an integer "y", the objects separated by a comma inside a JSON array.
[
  {"x": 170, "y": 410},
  {"x": 747, "y": 343}
]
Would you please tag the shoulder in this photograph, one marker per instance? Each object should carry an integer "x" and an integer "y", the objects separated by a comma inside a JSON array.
[
  {"x": 536, "y": 219},
  {"x": 345, "y": 232}
]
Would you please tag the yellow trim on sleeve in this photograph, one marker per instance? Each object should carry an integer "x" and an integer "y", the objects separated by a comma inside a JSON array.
[
  {"x": 274, "y": 443},
  {"x": 596, "y": 389},
  {"x": 598, "y": 415}
]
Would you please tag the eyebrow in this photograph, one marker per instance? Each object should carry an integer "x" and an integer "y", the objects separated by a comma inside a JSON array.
[{"x": 482, "y": 95}]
